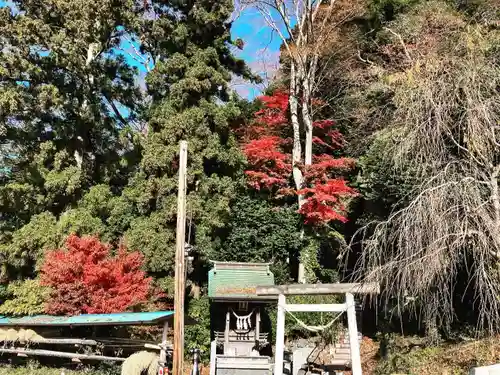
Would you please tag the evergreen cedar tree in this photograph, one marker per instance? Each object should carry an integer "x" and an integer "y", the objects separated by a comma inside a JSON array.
[
  {"x": 190, "y": 101},
  {"x": 59, "y": 135},
  {"x": 69, "y": 168},
  {"x": 85, "y": 278},
  {"x": 267, "y": 146}
]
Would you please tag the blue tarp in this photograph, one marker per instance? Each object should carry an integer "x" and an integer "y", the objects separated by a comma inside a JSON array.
[{"x": 119, "y": 319}]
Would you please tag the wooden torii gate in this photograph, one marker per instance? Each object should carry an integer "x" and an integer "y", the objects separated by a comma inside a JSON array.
[{"x": 318, "y": 289}]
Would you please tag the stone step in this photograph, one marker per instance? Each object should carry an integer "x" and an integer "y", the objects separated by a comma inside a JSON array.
[
  {"x": 342, "y": 345},
  {"x": 345, "y": 339},
  {"x": 340, "y": 362},
  {"x": 342, "y": 354},
  {"x": 342, "y": 351}
]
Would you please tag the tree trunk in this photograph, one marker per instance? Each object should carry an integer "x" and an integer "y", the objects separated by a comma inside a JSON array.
[
  {"x": 78, "y": 154},
  {"x": 298, "y": 177},
  {"x": 307, "y": 81},
  {"x": 308, "y": 127},
  {"x": 297, "y": 147},
  {"x": 307, "y": 119}
]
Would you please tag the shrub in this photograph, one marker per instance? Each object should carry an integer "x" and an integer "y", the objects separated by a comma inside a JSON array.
[
  {"x": 29, "y": 298},
  {"x": 86, "y": 278}
]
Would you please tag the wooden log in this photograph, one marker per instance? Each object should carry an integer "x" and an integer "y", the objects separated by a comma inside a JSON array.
[
  {"x": 123, "y": 341},
  {"x": 64, "y": 342},
  {"x": 318, "y": 289},
  {"x": 104, "y": 342},
  {"x": 51, "y": 353}
]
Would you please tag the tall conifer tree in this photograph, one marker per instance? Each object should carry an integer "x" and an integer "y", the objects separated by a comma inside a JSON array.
[
  {"x": 62, "y": 87},
  {"x": 190, "y": 44}
]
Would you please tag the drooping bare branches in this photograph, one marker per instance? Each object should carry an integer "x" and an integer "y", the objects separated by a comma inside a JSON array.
[
  {"x": 447, "y": 122},
  {"x": 419, "y": 251}
]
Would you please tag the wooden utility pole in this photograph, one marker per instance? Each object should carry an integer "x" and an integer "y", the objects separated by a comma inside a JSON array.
[{"x": 180, "y": 284}]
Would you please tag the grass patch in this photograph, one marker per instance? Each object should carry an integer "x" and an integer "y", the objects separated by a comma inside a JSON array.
[
  {"x": 406, "y": 357},
  {"x": 34, "y": 368}
]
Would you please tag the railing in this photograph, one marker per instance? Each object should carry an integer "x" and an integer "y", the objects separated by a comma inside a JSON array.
[{"x": 241, "y": 336}]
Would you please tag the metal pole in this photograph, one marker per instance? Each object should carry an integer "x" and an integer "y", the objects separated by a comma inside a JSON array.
[
  {"x": 163, "y": 347},
  {"x": 179, "y": 265}
]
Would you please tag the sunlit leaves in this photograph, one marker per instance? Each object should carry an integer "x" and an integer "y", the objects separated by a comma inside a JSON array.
[
  {"x": 86, "y": 278},
  {"x": 267, "y": 146}
]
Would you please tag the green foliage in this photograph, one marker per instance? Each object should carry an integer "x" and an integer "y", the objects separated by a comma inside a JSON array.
[
  {"x": 29, "y": 243},
  {"x": 382, "y": 187},
  {"x": 60, "y": 84},
  {"x": 98, "y": 201},
  {"x": 387, "y": 10},
  {"x": 27, "y": 297},
  {"x": 80, "y": 222},
  {"x": 190, "y": 44},
  {"x": 4, "y": 295},
  {"x": 261, "y": 232},
  {"x": 309, "y": 258},
  {"x": 198, "y": 335},
  {"x": 34, "y": 368},
  {"x": 166, "y": 285},
  {"x": 158, "y": 245}
]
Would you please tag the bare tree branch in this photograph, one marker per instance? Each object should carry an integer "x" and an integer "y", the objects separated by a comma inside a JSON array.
[{"x": 446, "y": 110}]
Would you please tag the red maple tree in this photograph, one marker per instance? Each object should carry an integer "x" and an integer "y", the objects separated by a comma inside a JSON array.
[
  {"x": 86, "y": 278},
  {"x": 267, "y": 144}
]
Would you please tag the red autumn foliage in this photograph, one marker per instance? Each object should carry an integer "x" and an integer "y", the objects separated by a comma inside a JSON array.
[
  {"x": 278, "y": 101},
  {"x": 271, "y": 166},
  {"x": 268, "y": 148},
  {"x": 265, "y": 146},
  {"x": 323, "y": 165},
  {"x": 323, "y": 124},
  {"x": 323, "y": 201},
  {"x": 86, "y": 278}
]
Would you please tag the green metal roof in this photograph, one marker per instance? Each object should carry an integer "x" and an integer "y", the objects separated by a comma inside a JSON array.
[{"x": 237, "y": 281}]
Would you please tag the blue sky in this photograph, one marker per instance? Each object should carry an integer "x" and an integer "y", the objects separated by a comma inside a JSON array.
[{"x": 261, "y": 50}]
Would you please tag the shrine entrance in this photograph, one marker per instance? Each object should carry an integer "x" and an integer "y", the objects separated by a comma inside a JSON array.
[{"x": 318, "y": 289}]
